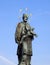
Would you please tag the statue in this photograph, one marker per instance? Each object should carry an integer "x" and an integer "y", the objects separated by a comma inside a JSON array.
[{"x": 23, "y": 37}]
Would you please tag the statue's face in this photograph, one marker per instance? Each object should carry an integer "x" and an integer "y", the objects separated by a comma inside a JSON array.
[{"x": 25, "y": 17}]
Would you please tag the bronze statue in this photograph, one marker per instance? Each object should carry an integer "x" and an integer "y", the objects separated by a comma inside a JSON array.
[{"x": 23, "y": 37}]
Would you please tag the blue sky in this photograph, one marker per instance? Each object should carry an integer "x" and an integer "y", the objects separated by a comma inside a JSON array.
[{"x": 40, "y": 20}]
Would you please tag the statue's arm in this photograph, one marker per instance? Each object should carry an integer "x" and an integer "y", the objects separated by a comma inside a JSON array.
[
  {"x": 32, "y": 31},
  {"x": 17, "y": 33}
]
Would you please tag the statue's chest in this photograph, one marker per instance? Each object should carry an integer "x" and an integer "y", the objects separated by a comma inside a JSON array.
[{"x": 25, "y": 26}]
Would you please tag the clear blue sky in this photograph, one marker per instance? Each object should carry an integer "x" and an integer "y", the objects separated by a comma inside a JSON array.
[{"x": 40, "y": 20}]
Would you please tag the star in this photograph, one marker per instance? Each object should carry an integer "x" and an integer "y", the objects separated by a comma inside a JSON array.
[
  {"x": 30, "y": 14},
  {"x": 20, "y": 10},
  {"x": 26, "y": 9},
  {"x": 19, "y": 17}
]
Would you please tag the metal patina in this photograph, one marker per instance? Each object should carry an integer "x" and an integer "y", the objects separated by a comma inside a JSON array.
[{"x": 24, "y": 35}]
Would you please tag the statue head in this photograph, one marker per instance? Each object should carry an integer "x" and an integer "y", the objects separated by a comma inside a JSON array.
[{"x": 25, "y": 17}]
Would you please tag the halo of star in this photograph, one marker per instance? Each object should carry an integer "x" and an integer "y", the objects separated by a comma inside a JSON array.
[{"x": 21, "y": 10}]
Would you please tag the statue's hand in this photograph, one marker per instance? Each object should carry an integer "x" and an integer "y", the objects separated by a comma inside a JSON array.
[{"x": 35, "y": 35}]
